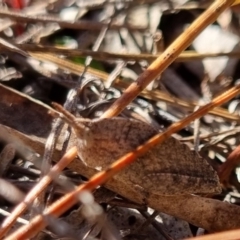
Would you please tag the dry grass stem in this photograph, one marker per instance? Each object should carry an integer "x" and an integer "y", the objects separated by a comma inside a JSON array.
[
  {"x": 183, "y": 57},
  {"x": 88, "y": 25}
]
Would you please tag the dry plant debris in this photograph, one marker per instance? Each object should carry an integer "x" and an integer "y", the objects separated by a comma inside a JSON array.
[{"x": 85, "y": 55}]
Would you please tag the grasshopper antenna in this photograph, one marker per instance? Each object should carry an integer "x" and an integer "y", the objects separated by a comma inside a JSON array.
[{"x": 67, "y": 117}]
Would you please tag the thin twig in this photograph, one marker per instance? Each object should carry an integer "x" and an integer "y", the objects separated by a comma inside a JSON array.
[
  {"x": 231, "y": 132},
  {"x": 19, "y": 220},
  {"x": 6, "y": 23},
  {"x": 159, "y": 228},
  {"x": 88, "y": 25},
  {"x": 101, "y": 55}
]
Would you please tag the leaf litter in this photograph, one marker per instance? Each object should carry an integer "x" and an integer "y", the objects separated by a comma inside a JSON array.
[{"x": 27, "y": 124}]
